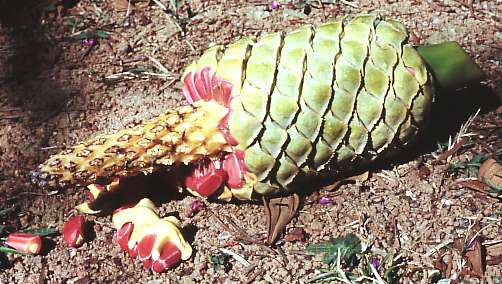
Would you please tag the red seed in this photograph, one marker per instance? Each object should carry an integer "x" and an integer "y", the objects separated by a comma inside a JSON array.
[
  {"x": 133, "y": 252},
  {"x": 169, "y": 256},
  {"x": 209, "y": 184},
  {"x": 124, "y": 234},
  {"x": 23, "y": 242},
  {"x": 235, "y": 168},
  {"x": 206, "y": 181},
  {"x": 147, "y": 263},
  {"x": 145, "y": 246},
  {"x": 224, "y": 129},
  {"x": 73, "y": 231}
]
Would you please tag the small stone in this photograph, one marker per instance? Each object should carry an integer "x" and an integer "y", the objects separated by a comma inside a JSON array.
[
  {"x": 316, "y": 226},
  {"x": 124, "y": 48},
  {"x": 427, "y": 188}
]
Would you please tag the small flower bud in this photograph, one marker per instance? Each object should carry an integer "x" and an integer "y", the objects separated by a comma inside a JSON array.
[{"x": 89, "y": 42}]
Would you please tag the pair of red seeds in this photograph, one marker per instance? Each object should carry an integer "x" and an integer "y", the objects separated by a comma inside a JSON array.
[
  {"x": 210, "y": 176},
  {"x": 73, "y": 235},
  {"x": 169, "y": 256}
]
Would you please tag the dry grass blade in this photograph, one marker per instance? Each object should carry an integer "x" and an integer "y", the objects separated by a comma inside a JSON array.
[
  {"x": 349, "y": 3},
  {"x": 253, "y": 276},
  {"x": 451, "y": 150},
  {"x": 160, "y": 4},
  {"x": 238, "y": 232},
  {"x": 160, "y": 66},
  {"x": 243, "y": 236},
  {"x": 460, "y": 138},
  {"x": 438, "y": 247},
  {"x": 237, "y": 257}
]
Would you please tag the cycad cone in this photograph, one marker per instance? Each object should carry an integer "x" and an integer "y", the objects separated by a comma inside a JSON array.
[
  {"x": 319, "y": 98},
  {"x": 275, "y": 112}
]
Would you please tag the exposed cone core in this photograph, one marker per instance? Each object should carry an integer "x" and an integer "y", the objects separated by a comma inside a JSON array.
[{"x": 177, "y": 137}]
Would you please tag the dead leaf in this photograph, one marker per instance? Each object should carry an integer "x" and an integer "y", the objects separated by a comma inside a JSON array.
[
  {"x": 279, "y": 212},
  {"x": 122, "y": 5},
  {"x": 495, "y": 260},
  {"x": 454, "y": 148},
  {"x": 472, "y": 252},
  {"x": 475, "y": 185},
  {"x": 297, "y": 234},
  {"x": 474, "y": 256},
  {"x": 490, "y": 173}
]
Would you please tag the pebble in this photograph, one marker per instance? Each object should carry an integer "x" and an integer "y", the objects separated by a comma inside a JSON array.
[{"x": 316, "y": 226}]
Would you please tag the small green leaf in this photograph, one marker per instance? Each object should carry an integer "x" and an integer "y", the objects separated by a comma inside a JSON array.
[
  {"x": 7, "y": 211},
  {"x": 136, "y": 70},
  {"x": 91, "y": 34},
  {"x": 495, "y": 190},
  {"x": 42, "y": 232},
  {"x": 101, "y": 34},
  {"x": 83, "y": 35},
  {"x": 50, "y": 8},
  {"x": 176, "y": 4},
  {"x": 468, "y": 167},
  {"x": 349, "y": 246},
  {"x": 390, "y": 275},
  {"x": 220, "y": 261},
  {"x": 11, "y": 250}
]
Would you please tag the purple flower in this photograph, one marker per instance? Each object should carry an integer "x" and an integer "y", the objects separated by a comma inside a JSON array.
[
  {"x": 274, "y": 4},
  {"x": 89, "y": 42},
  {"x": 375, "y": 262},
  {"x": 325, "y": 200},
  {"x": 196, "y": 206}
]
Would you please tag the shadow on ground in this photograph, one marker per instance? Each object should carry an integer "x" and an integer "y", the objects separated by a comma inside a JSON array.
[{"x": 32, "y": 58}]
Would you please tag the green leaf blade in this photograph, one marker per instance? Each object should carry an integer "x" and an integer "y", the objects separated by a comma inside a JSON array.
[
  {"x": 42, "y": 232},
  {"x": 348, "y": 245}
]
